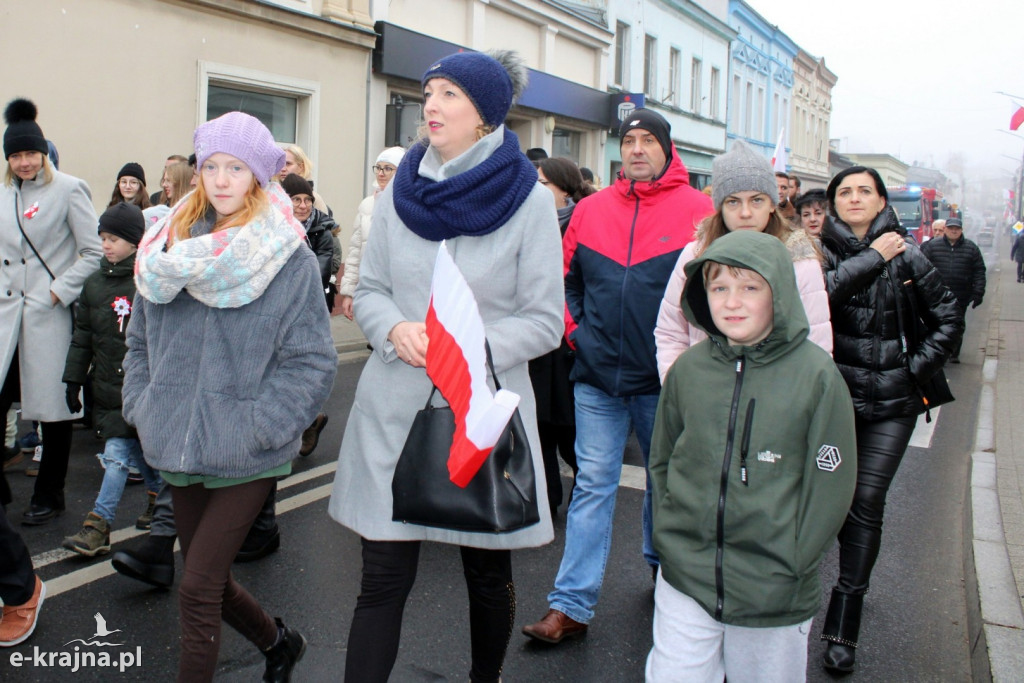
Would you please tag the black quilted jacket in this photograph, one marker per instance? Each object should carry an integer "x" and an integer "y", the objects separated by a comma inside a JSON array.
[
  {"x": 961, "y": 265},
  {"x": 882, "y": 374}
]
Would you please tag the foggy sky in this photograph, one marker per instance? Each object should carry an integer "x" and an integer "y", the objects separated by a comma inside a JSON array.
[{"x": 916, "y": 77}]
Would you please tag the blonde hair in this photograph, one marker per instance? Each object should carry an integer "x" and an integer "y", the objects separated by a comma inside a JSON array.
[
  {"x": 180, "y": 177},
  {"x": 302, "y": 160},
  {"x": 47, "y": 172},
  {"x": 197, "y": 205}
]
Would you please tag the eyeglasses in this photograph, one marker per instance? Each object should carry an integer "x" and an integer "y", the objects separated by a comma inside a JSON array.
[
  {"x": 386, "y": 170},
  {"x": 302, "y": 201},
  {"x": 129, "y": 182}
]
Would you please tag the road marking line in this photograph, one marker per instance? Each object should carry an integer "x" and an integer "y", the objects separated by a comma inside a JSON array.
[
  {"x": 48, "y": 557},
  {"x": 922, "y": 436},
  {"x": 632, "y": 477},
  {"x": 103, "y": 569}
]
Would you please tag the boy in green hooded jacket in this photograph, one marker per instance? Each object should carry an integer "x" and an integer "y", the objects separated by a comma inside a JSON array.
[{"x": 753, "y": 469}]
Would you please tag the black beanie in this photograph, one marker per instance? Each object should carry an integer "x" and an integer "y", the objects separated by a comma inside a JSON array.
[
  {"x": 23, "y": 134},
  {"x": 132, "y": 170},
  {"x": 295, "y": 184},
  {"x": 124, "y": 220},
  {"x": 652, "y": 122}
]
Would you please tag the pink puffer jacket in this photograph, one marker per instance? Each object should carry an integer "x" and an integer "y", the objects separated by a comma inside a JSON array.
[{"x": 674, "y": 334}]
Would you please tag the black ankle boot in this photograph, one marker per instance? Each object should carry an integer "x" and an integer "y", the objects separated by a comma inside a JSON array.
[
  {"x": 842, "y": 627},
  {"x": 281, "y": 658},
  {"x": 152, "y": 562}
]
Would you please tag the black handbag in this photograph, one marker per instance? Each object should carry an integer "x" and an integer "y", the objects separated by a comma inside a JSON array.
[
  {"x": 501, "y": 496},
  {"x": 935, "y": 391}
]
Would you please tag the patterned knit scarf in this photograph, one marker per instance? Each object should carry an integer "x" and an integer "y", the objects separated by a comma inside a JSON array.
[
  {"x": 473, "y": 203},
  {"x": 224, "y": 269}
]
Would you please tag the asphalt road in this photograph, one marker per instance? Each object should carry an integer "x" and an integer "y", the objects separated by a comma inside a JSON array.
[{"x": 914, "y": 620}]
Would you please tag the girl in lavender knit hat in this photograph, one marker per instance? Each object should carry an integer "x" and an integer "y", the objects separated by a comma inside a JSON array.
[{"x": 229, "y": 358}]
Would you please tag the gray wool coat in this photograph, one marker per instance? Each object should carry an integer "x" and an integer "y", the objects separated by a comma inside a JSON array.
[
  {"x": 63, "y": 229},
  {"x": 515, "y": 273}
]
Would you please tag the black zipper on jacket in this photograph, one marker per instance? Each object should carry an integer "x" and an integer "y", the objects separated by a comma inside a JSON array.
[
  {"x": 622, "y": 290},
  {"x": 723, "y": 487},
  {"x": 745, "y": 443}
]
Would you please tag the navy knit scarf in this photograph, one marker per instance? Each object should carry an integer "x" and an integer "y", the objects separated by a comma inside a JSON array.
[{"x": 473, "y": 203}]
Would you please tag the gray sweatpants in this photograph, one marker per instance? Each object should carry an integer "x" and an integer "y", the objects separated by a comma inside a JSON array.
[{"x": 689, "y": 645}]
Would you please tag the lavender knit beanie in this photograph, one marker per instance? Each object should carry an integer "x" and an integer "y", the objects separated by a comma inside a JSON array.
[{"x": 243, "y": 137}]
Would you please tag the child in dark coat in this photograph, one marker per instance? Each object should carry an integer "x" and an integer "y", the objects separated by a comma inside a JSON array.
[{"x": 104, "y": 309}]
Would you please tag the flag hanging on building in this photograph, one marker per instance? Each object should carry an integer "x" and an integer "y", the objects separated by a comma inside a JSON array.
[
  {"x": 457, "y": 364},
  {"x": 779, "y": 157},
  {"x": 1016, "y": 116}
]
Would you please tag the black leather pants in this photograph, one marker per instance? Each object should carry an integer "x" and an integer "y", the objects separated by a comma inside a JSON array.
[{"x": 880, "y": 448}]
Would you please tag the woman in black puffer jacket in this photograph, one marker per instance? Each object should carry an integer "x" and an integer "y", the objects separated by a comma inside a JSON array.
[{"x": 879, "y": 285}]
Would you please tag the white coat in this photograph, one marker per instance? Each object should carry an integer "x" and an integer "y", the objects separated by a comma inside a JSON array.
[{"x": 62, "y": 224}]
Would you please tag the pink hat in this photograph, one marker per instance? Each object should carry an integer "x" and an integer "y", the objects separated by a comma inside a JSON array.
[{"x": 243, "y": 137}]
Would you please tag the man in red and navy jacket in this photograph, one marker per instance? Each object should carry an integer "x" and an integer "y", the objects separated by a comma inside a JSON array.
[{"x": 619, "y": 251}]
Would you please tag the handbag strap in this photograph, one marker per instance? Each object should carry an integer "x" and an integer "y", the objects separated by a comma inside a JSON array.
[
  {"x": 17, "y": 218},
  {"x": 490, "y": 366}
]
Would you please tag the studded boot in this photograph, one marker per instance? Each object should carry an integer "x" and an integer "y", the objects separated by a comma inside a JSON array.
[{"x": 842, "y": 628}]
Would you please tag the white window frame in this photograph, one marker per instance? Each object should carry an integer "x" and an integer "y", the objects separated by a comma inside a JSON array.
[
  {"x": 716, "y": 86},
  {"x": 305, "y": 92},
  {"x": 300, "y": 5},
  {"x": 621, "y": 66},
  {"x": 696, "y": 85},
  {"x": 675, "y": 65},
  {"x": 650, "y": 66}
]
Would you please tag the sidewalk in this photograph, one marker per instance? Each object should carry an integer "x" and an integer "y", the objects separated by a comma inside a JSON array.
[
  {"x": 994, "y": 525},
  {"x": 349, "y": 341}
]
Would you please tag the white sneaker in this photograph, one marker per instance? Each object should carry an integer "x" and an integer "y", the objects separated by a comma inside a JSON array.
[{"x": 37, "y": 454}]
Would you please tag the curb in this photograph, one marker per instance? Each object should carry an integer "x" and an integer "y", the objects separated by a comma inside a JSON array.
[{"x": 995, "y": 618}]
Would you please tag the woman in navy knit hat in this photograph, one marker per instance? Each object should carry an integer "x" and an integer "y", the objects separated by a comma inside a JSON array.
[{"x": 470, "y": 185}]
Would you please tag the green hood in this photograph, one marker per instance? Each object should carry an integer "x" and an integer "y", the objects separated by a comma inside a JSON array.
[{"x": 768, "y": 256}]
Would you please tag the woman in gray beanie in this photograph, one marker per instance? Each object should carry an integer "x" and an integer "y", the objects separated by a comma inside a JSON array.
[{"x": 745, "y": 197}]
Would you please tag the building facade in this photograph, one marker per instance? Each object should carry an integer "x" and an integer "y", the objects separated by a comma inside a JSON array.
[
  {"x": 132, "y": 79},
  {"x": 810, "y": 119},
  {"x": 566, "y": 46},
  {"x": 761, "y": 80},
  {"x": 892, "y": 170},
  {"x": 673, "y": 55}
]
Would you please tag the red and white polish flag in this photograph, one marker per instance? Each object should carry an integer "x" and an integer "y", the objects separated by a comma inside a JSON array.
[
  {"x": 779, "y": 159},
  {"x": 457, "y": 364},
  {"x": 1016, "y": 116}
]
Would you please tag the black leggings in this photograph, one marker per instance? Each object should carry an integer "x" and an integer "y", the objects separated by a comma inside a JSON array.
[
  {"x": 49, "y": 486},
  {"x": 389, "y": 571},
  {"x": 880, "y": 448}
]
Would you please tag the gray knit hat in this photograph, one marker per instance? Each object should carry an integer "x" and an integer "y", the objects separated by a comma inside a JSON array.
[{"x": 741, "y": 169}]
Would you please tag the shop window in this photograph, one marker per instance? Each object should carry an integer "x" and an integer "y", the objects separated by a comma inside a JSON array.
[
  {"x": 289, "y": 107},
  {"x": 566, "y": 143}
]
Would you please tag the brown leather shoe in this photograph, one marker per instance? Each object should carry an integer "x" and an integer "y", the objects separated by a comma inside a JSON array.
[
  {"x": 311, "y": 436},
  {"x": 554, "y": 628}
]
